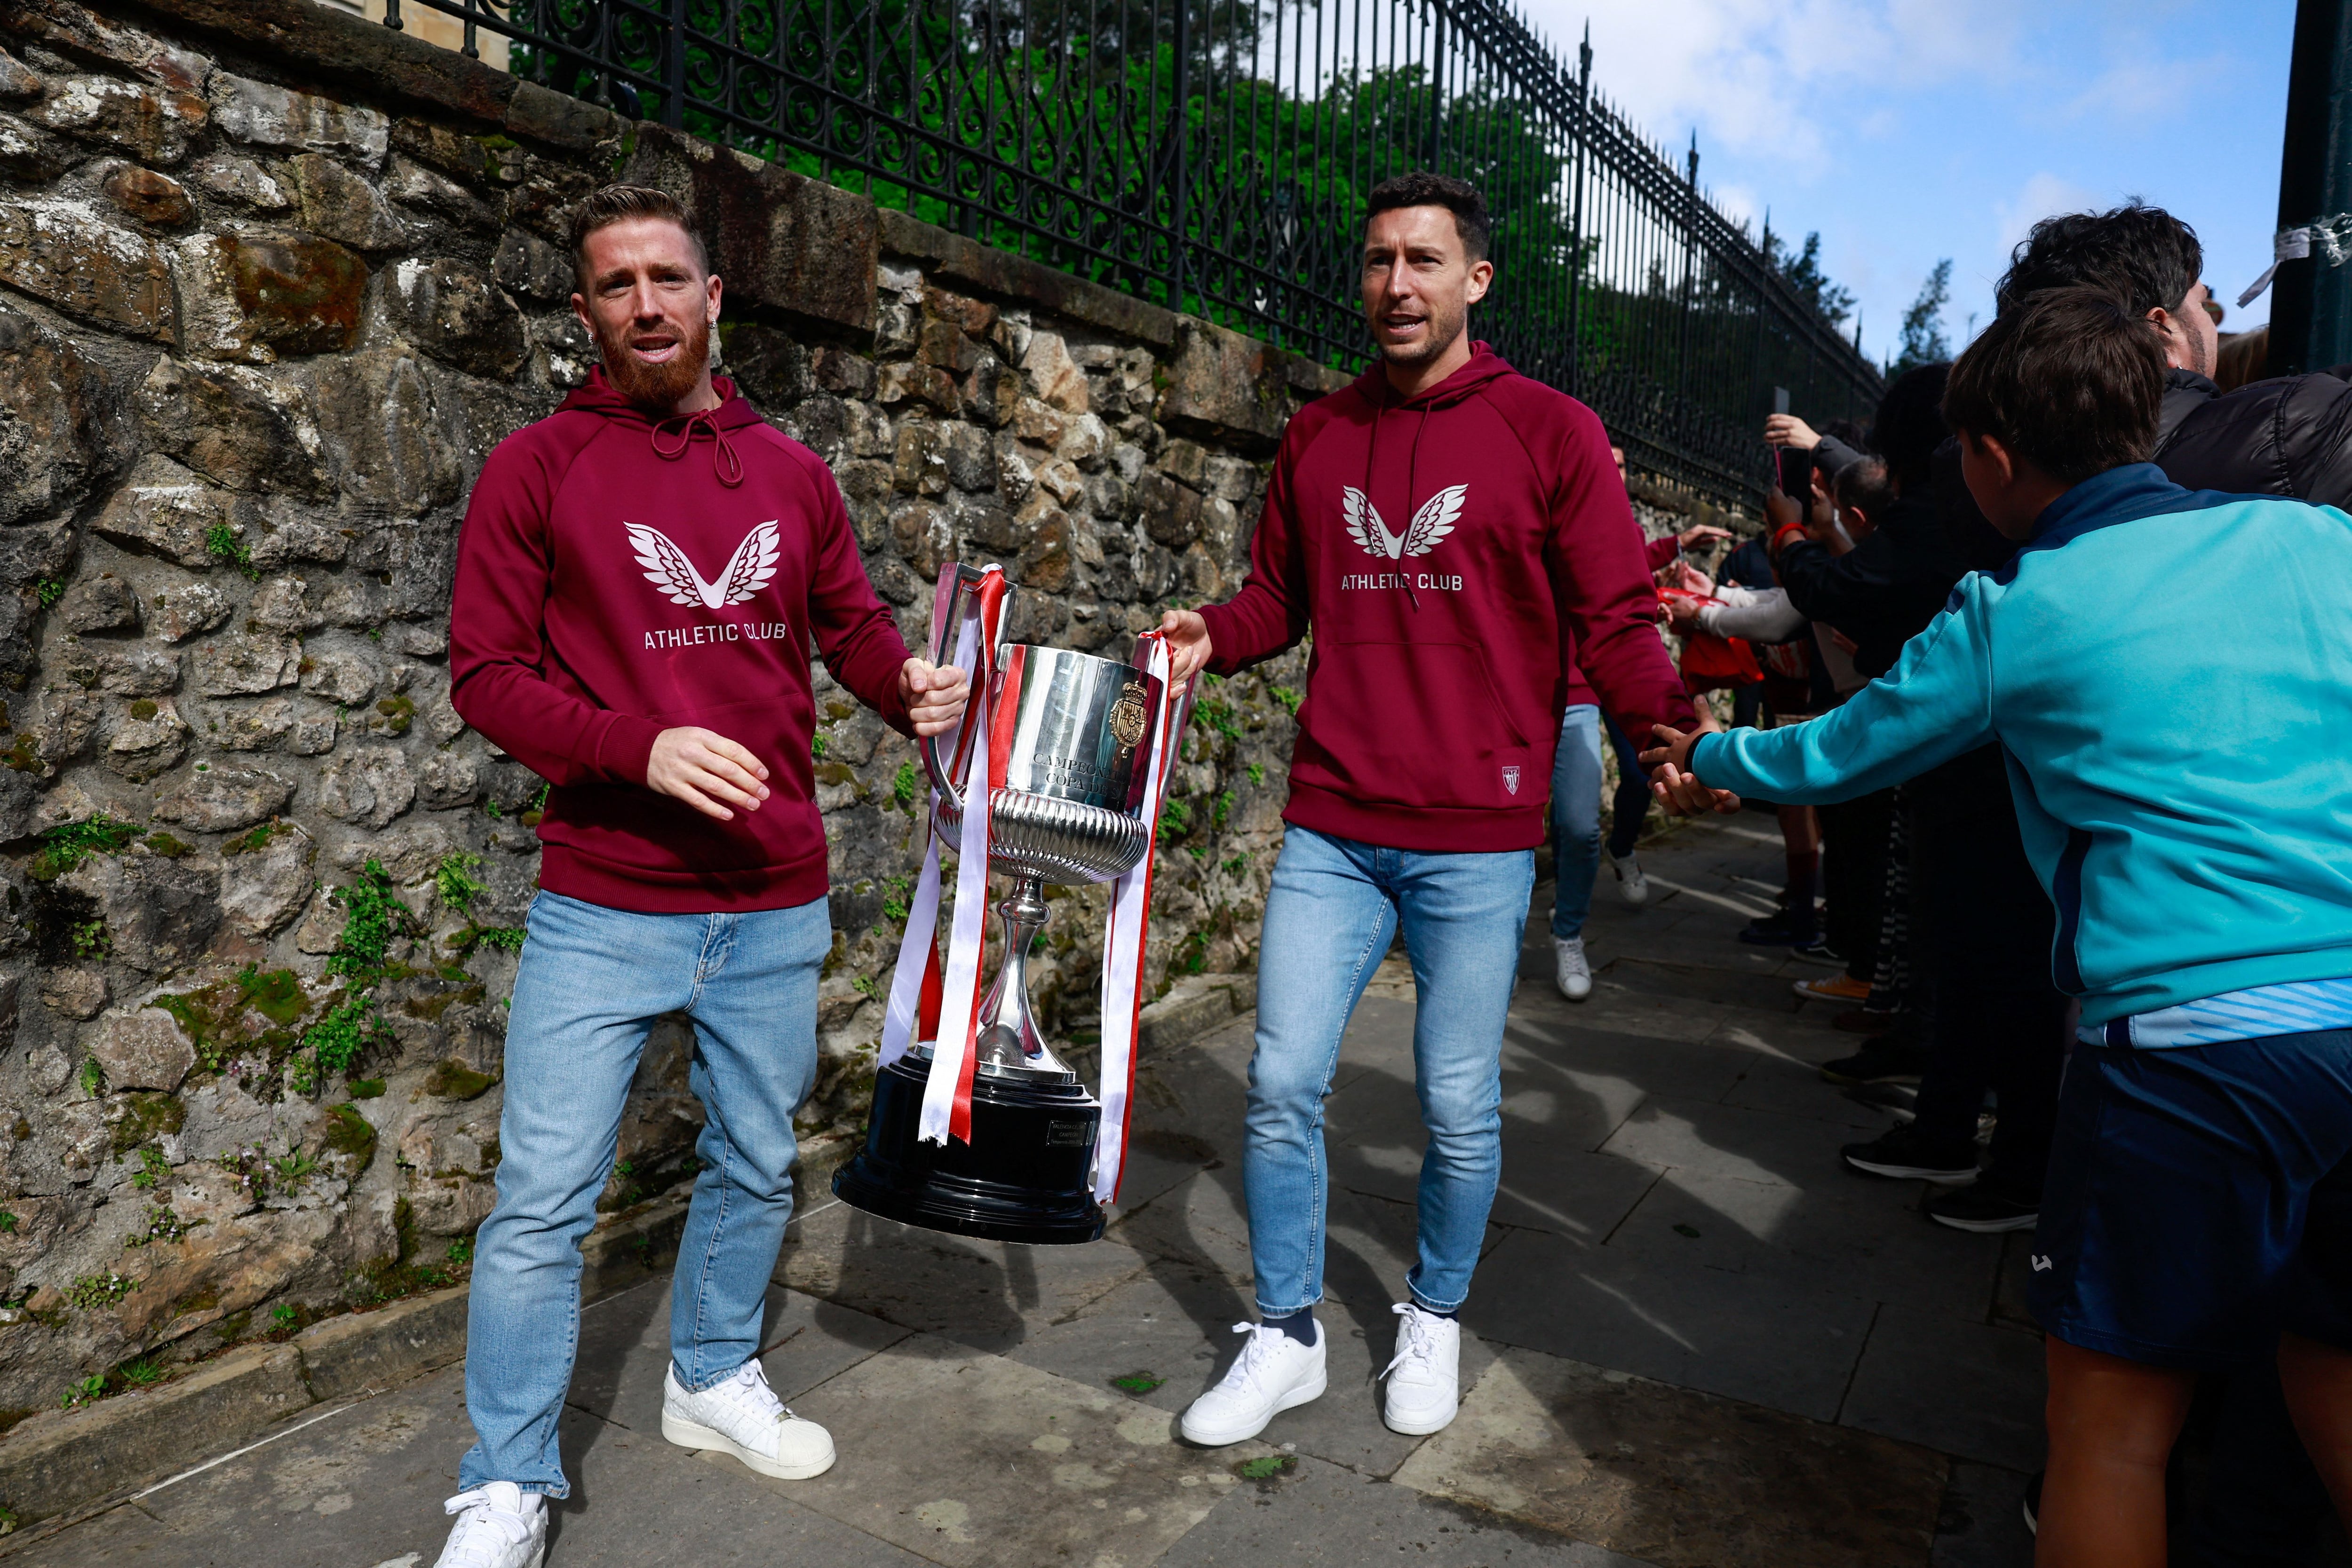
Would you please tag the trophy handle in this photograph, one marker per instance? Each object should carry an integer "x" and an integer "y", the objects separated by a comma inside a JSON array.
[{"x": 950, "y": 606}]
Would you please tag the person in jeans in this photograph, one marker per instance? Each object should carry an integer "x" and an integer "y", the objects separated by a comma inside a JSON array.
[
  {"x": 1576, "y": 839},
  {"x": 639, "y": 579},
  {"x": 2173, "y": 721},
  {"x": 1457, "y": 537},
  {"x": 1576, "y": 777}
]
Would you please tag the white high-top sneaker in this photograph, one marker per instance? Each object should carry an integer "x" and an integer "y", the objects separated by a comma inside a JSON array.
[
  {"x": 1273, "y": 1373},
  {"x": 743, "y": 1416},
  {"x": 1632, "y": 886},
  {"x": 1571, "y": 972},
  {"x": 1425, "y": 1378},
  {"x": 499, "y": 1526}
]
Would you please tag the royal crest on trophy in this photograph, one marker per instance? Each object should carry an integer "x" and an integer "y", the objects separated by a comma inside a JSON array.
[{"x": 1054, "y": 776}]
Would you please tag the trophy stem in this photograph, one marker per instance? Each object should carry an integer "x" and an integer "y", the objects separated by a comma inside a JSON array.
[{"x": 1010, "y": 1040}]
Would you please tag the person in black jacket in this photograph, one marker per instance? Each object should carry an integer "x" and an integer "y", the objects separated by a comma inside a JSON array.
[
  {"x": 2291, "y": 435},
  {"x": 1884, "y": 592}
]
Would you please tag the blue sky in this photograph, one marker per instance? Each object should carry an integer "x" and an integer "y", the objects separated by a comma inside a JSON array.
[{"x": 1907, "y": 131}]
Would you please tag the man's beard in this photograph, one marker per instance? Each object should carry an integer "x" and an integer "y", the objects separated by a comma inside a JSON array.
[
  {"x": 657, "y": 388},
  {"x": 1440, "y": 335}
]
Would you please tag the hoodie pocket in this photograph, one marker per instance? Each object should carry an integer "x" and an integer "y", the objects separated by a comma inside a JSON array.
[{"x": 1413, "y": 724}]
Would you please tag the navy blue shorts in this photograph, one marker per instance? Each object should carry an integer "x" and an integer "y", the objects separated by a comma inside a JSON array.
[{"x": 2199, "y": 1200}]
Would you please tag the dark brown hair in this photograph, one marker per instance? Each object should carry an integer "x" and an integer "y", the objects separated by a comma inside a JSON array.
[
  {"x": 1421, "y": 188},
  {"x": 1865, "y": 485},
  {"x": 2070, "y": 380},
  {"x": 611, "y": 205},
  {"x": 2243, "y": 358},
  {"x": 2142, "y": 254}
]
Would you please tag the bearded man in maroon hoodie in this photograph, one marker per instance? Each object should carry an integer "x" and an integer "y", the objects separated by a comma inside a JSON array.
[
  {"x": 639, "y": 580},
  {"x": 1456, "y": 538}
]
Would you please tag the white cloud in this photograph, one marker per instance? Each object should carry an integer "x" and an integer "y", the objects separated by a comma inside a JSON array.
[
  {"x": 1738, "y": 203},
  {"x": 1773, "y": 77},
  {"x": 2138, "y": 89},
  {"x": 2043, "y": 195}
]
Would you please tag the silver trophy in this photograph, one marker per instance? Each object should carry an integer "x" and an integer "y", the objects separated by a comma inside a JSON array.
[{"x": 1067, "y": 811}]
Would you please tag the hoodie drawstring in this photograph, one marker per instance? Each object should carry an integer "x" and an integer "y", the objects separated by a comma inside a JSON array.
[
  {"x": 1413, "y": 459},
  {"x": 1412, "y": 474},
  {"x": 723, "y": 455}
]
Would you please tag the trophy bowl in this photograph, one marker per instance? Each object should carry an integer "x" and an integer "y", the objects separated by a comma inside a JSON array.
[{"x": 1068, "y": 810}]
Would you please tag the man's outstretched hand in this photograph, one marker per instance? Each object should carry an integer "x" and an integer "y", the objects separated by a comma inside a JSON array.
[
  {"x": 706, "y": 770},
  {"x": 934, "y": 695},
  {"x": 1671, "y": 780},
  {"x": 1188, "y": 644}
]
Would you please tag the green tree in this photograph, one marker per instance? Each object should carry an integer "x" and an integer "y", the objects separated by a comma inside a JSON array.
[
  {"x": 1801, "y": 271},
  {"x": 1923, "y": 324}
]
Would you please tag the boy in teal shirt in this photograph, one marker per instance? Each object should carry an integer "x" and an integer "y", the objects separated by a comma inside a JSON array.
[{"x": 2170, "y": 675}]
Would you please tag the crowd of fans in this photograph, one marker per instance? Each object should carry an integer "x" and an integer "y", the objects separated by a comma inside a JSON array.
[{"x": 1918, "y": 898}]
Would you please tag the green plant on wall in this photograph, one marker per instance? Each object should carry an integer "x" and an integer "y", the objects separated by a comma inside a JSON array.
[
  {"x": 372, "y": 916},
  {"x": 222, "y": 544},
  {"x": 66, "y": 846},
  {"x": 454, "y": 879}
]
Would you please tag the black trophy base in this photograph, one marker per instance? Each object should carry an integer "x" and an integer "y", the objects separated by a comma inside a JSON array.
[{"x": 1027, "y": 1175}]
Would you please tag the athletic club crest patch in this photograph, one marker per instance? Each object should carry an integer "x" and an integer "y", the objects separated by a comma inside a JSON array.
[
  {"x": 1511, "y": 779},
  {"x": 750, "y": 568}
]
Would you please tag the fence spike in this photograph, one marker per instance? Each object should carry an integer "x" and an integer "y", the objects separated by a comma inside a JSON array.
[{"x": 1079, "y": 182}]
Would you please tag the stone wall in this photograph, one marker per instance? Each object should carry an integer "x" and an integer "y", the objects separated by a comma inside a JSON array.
[{"x": 273, "y": 281}]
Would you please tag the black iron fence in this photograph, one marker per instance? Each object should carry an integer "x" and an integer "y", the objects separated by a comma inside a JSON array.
[{"x": 1214, "y": 155}]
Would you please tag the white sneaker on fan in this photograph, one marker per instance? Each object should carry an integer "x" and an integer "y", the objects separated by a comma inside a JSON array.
[
  {"x": 1571, "y": 970},
  {"x": 743, "y": 1416},
  {"x": 1632, "y": 886},
  {"x": 1425, "y": 1378},
  {"x": 1273, "y": 1373},
  {"x": 499, "y": 1525}
]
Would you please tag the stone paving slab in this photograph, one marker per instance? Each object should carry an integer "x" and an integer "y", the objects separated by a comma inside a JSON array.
[
  {"x": 1971, "y": 1389},
  {"x": 1710, "y": 1138},
  {"x": 971, "y": 1459},
  {"x": 1867, "y": 1236},
  {"x": 366, "y": 1489},
  {"x": 1791, "y": 1346},
  {"x": 980, "y": 1293},
  {"x": 1676, "y": 1477},
  {"x": 1315, "y": 1515}
]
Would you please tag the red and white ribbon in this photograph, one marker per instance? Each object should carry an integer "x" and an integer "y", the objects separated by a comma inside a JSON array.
[
  {"x": 916, "y": 986},
  {"x": 1130, "y": 924},
  {"x": 947, "y": 1096}
]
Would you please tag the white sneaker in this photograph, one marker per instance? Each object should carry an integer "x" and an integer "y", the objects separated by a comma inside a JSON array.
[
  {"x": 1273, "y": 1373},
  {"x": 1426, "y": 1377},
  {"x": 743, "y": 1416},
  {"x": 1571, "y": 972},
  {"x": 1632, "y": 886},
  {"x": 499, "y": 1526}
]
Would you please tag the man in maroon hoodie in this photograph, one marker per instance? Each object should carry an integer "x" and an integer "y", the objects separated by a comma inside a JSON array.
[
  {"x": 639, "y": 580},
  {"x": 1455, "y": 537}
]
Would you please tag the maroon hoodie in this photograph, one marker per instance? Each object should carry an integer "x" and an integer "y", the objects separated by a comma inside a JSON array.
[
  {"x": 1459, "y": 555},
  {"x": 618, "y": 577}
]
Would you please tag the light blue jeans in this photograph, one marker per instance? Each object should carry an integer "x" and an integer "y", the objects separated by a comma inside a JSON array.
[
  {"x": 1575, "y": 811},
  {"x": 591, "y": 984},
  {"x": 1334, "y": 908}
]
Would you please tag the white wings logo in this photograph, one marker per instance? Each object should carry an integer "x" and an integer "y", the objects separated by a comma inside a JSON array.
[
  {"x": 1432, "y": 523},
  {"x": 749, "y": 570}
]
